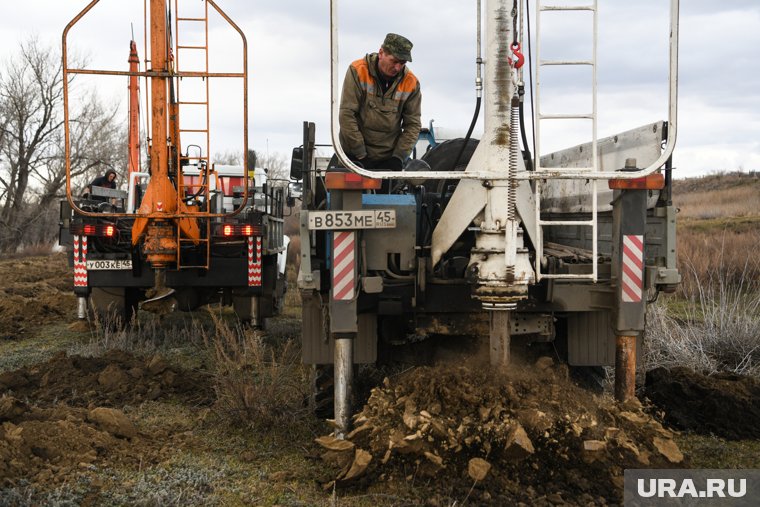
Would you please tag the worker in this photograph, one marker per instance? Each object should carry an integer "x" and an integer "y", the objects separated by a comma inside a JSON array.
[
  {"x": 380, "y": 107},
  {"x": 108, "y": 180}
]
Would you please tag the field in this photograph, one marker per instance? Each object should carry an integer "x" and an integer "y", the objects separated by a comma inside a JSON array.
[{"x": 195, "y": 410}]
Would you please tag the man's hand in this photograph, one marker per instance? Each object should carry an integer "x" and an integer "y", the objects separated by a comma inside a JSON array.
[{"x": 394, "y": 164}]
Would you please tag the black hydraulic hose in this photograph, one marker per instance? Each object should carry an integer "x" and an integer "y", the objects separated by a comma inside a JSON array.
[
  {"x": 442, "y": 189},
  {"x": 469, "y": 133},
  {"x": 528, "y": 158}
]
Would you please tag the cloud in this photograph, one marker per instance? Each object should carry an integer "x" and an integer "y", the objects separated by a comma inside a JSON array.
[{"x": 289, "y": 64}]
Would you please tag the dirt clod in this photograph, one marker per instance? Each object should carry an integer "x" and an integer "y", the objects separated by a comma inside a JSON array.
[
  {"x": 478, "y": 468},
  {"x": 113, "y": 421}
]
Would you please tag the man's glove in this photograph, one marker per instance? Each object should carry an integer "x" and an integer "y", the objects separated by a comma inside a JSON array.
[{"x": 394, "y": 163}]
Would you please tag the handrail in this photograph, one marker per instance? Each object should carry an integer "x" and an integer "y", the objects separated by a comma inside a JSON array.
[{"x": 522, "y": 175}]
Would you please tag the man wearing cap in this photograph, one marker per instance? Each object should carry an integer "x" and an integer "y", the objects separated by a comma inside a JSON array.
[{"x": 380, "y": 107}]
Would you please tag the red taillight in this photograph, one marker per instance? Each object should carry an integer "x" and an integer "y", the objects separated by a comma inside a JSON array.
[
  {"x": 654, "y": 181},
  {"x": 103, "y": 230},
  {"x": 350, "y": 181},
  {"x": 232, "y": 230}
]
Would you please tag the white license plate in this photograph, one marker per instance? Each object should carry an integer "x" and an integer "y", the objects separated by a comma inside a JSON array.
[
  {"x": 360, "y": 219},
  {"x": 107, "y": 264}
]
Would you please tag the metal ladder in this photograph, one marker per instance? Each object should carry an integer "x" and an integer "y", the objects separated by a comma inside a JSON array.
[
  {"x": 200, "y": 102},
  {"x": 580, "y": 171}
]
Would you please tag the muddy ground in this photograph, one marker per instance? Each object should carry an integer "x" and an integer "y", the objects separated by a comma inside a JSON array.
[{"x": 82, "y": 423}]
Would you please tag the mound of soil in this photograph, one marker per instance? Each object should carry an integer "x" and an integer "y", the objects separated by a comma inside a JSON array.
[
  {"x": 64, "y": 417},
  {"x": 45, "y": 446},
  {"x": 525, "y": 435},
  {"x": 117, "y": 378},
  {"x": 724, "y": 404},
  {"x": 35, "y": 290}
]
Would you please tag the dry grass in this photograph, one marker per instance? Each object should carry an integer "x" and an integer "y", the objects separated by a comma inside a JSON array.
[
  {"x": 713, "y": 324},
  {"x": 716, "y": 256},
  {"x": 258, "y": 384},
  {"x": 734, "y": 202}
]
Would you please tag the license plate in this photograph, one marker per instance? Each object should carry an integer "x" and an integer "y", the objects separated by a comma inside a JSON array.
[
  {"x": 360, "y": 219},
  {"x": 108, "y": 264}
]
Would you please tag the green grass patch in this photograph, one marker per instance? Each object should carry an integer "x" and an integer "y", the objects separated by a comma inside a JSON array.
[
  {"x": 717, "y": 453},
  {"x": 48, "y": 341},
  {"x": 737, "y": 225}
]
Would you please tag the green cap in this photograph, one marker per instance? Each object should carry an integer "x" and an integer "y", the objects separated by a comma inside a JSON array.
[{"x": 398, "y": 46}]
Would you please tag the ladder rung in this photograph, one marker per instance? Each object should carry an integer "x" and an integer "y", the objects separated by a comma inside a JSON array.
[
  {"x": 582, "y": 116},
  {"x": 193, "y": 130},
  {"x": 193, "y": 103},
  {"x": 586, "y": 223},
  {"x": 185, "y": 157},
  {"x": 567, "y": 8},
  {"x": 191, "y": 19},
  {"x": 191, "y": 240},
  {"x": 566, "y": 62},
  {"x": 205, "y": 48}
]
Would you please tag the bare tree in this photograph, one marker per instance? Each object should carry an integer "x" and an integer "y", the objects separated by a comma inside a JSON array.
[
  {"x": 32, "y": 164},
  {"x": 229, "y": 157},
  {"x": 274, "y": 163}
]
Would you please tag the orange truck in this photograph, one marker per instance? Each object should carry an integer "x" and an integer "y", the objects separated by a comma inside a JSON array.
[{"x": 183, "y": 233}]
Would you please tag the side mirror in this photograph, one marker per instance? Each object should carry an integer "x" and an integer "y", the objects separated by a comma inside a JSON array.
[
  {"x": 296, "y": 164},
  {"x": 290, "y": 201}
]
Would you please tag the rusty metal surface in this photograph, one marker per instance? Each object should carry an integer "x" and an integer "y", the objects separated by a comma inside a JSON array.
[{"x": 625, "y": 368}]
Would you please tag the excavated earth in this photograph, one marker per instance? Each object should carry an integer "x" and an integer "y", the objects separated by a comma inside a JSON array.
[
  {"x": 61, "y": 416},
  {"x": 723, "y": 404},
  {"x": 529, "y": 435},
  {"x": 460, "y": 430}
]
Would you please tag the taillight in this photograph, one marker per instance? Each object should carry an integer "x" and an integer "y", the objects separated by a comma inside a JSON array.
[
  {"x": 103, "y": 230},
  {"x": 236, "y": 230}
]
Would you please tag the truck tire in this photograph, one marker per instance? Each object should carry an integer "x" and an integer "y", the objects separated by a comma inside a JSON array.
[
  {"x": 115, "y": 306},
  {"x": 442, "y": 158}
]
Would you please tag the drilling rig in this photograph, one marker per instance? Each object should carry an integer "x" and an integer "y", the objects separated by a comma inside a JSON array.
[
  {"x": 485, "y": 238},
  {"x": 184, "y": 233}
]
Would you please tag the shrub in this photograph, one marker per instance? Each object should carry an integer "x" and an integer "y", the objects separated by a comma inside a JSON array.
[
  {"x": 258, "y": 384},
  {"x": 715, "y": 329}
]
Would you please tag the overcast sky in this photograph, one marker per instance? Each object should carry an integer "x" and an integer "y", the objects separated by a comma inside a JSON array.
[{"x": 289, "y": 64}]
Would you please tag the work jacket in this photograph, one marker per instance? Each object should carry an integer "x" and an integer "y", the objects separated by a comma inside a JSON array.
[{"x": 376, "y": 125}]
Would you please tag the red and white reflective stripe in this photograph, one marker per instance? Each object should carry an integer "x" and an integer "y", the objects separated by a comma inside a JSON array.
[
  {"x": 632, "y": 285},
  {"x": 344, "y": 265},
  {"x": 80, "y": 261},
  {"x": 254, "y": 262}
]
